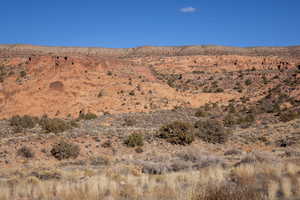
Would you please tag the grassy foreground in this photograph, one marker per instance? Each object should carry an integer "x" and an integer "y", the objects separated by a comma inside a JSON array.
[{"x": 245, "y": 182}]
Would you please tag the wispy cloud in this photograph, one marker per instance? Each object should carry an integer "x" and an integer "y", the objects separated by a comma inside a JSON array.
[{"x": 189, "y": 9}]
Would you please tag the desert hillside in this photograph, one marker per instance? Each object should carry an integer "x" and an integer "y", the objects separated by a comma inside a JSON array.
[
  {"x": 291, "y": 51},
  {"x": 60, "y": 81},
  {"x": 191, "y": 123}
]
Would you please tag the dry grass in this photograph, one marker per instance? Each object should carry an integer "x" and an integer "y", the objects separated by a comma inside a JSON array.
[{"x": 249, "y": 181}]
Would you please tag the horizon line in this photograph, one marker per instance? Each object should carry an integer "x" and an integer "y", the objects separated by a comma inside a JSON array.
[{"x": 143, "y": 46}]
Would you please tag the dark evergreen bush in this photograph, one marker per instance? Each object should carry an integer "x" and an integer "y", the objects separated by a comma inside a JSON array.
[
  {"x": 177, "y": 133},
  {"x": 134, "y": 140},
  {"x": 211, "y": 131},
  {"x": 25, "y": 121},
  {"x": 25, "y": 152},
  {"x": 64, "y": 150}
]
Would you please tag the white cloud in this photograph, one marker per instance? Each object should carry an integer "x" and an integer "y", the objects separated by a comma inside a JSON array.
[{"x": 188, "y": 9}]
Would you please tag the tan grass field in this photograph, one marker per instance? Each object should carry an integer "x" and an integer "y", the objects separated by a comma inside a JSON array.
[{"x": 248, "y": 181}]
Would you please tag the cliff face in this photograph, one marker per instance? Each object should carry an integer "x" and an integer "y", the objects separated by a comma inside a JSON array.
[{"x": 293, "y": 51}]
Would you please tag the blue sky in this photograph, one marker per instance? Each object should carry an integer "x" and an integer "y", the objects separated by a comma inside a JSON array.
[{"x": 131, "y": 23}]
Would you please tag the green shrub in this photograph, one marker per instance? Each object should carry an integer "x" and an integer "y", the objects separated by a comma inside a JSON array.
[
  {"x": 248, "y": 82},
  {"x": 54, "y": 125},
  {"x": 219, "y": 90},
  {"x": 109, "y": 73},
  {"x": 177, "y": 133},
  {"x": 64, "y": 150},
  {"x": 87, "y": 116},
  {"x": 246, "y": 119},
  {"x": 211, "y": 131},
  {"x": 23, "y": 74},
  {"x": 229, "y": 120},
  {"x": 231, "y": 108},
  {"x": 132, "y": 93},
  {"x": 25, "y": 121},
  {"x": 73, "y": 123},
  {"x": 25, "y": 152},
  {"x": 134, "y": 140}
]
